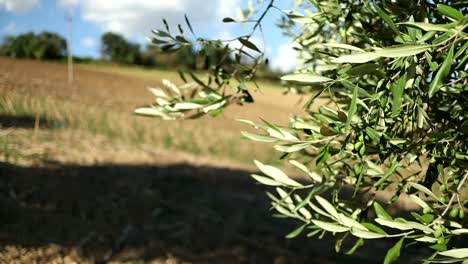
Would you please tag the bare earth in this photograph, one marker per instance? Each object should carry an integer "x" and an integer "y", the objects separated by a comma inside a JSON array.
[{"x": 96, "y": 199}]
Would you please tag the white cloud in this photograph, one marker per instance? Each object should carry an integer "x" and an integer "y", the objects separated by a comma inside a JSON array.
[
  {"x": 286, "y": 58},
  {"x": 10, "y": 27},
  {"x": 137, "y": 18},
  {"x": 18, "y": 6},
  {"x": 67, "y": 3},
  {"x": 88, "y": 42}
]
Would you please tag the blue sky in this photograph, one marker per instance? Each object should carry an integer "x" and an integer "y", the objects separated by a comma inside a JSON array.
[{"x": 135, "y": 18}]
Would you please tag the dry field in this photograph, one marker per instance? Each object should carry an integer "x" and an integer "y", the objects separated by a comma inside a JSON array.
[{"x": 88, "y": 182}]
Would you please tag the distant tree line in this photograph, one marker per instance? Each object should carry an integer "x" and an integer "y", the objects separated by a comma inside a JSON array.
[
  {"x": 42, "y": 46},
  {"x": 115, "y": 48}
]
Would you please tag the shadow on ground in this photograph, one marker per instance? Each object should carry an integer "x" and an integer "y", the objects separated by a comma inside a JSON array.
[
  {"x": 127, "y": 212},
  {"x": 26, "y": 121}
]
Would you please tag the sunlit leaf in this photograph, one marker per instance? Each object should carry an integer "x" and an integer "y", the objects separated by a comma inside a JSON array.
[
  {"x": 331, "y": 227},
  {"x": 305, "y": 78},
  {"x": 425, "y": 26},
  {"x": 365, "y": 234},
  {"x": 315, "y": 177},
  {"x": 292, "y": 147},
  {"x": 256, "y": 137},
  {"x": 456, "y": 253},
  {"x": 356, "y": 58},
  {"x": 342, "y": 46},
  {"x": 402, "y": 50},
  {"x": 327, "y": 206},
  {"x": 423, "y": 189},
  {"x": 265, "y": 180},
  {"x": 276, "y": 174},
  {"x": 409, "y": 225},
  {"x": 419, "y": 201},
  {"x": 187, "y": 106}
]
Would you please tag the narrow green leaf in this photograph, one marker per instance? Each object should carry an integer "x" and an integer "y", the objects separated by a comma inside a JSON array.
[
  {"x": 388, "y": 52},
  {"x": 408, "y": 225},
  {"x": 156, "y": 41},
  {"x": 402, "y": 50},
  {"x": 305, "y": 78},
  {"x": 331, "y": 227},
  {"x": 300, "y": 18},
  {"x": 356, "y": 58},
  {"x": 158, "y": 92},
  {"x": 381, "y": 212},
  {"x": 306, "y": 213},
  {"x": 351, "y": 86},
  {"x": 162, "y": 33},
  {"x": 248, "y": 44},
  {"x": 265, "y": 180},
  {"x": 461, "y": 231},
  {"x": 149, "y": 111},
  {"x": 259, "y": 138},
  {"x": 426, "y": 239},
  {"x": 456, "y": 253},
  {"x": 450, "y": 12},
  {"x": 419, "y": 201},
  {"x": 296, "y": 232},
  {"x": 188, "y": 23},
  {"x": 423, "y": 189},
  {"x": 352, "y": 108},
  {"x": 387, "y": 19},
  {"x": 292, "y": 147},
  {"x": 373, "y": 134},
  {"x": 374, "y": 228},
  {"x": 350, "y": 222},
  {"x": 342, "y": 46},
  {"x": 397, "y": 94},
  {"x": 278, "y": 132},
  {"x": 357, "y": 245},
  {"x": 394, "y": 253},
  {"x": 365, "y": 234},
  {"x": 327, "y": 206},
  {"x": 276, "y": 174},
  {"x": 387, "y": 174},
  {"x": 313, "y": 175},
  {"x": 187, "y": 106},
  {"x": 442, "y": 73},
  {"x": 461, "y": 50},
  {"x": 424, "y": 26},
  {"x": 363, "y": 69},
  {"x": 214, "y": 106},
  {"x": 318, "y": 210}
]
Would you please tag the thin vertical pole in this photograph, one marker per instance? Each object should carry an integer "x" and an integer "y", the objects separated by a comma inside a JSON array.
[{"x": 69, "y": 50}]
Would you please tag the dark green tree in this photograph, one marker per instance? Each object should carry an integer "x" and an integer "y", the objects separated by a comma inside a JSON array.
[
  {"x": 46, "y": 45},
  {"x": 116, "y": 48}
]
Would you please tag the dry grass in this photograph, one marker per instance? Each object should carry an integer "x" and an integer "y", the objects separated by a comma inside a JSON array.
[{"x": 102, "y": 98}]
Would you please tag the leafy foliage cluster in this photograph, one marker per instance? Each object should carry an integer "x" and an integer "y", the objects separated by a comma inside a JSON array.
[
  {"x": 394, "y": 76},
  {"x": 45, "y": 45}
]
